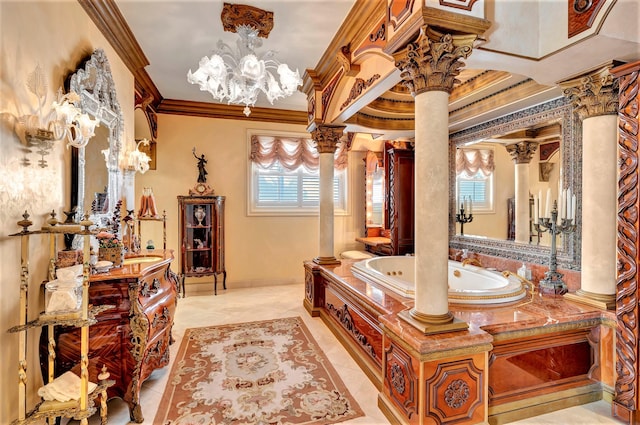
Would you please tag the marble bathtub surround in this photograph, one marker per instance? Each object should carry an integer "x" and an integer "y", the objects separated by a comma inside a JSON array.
[
  {"x": 429, "y": 66},
  {"x": 553, "y": 348},
  {"x": 595, "y": 99},
  {"x": 571, "y": 277}
]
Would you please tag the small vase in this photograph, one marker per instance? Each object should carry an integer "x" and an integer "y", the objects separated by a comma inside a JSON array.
[{"x": 199, "y": 214}]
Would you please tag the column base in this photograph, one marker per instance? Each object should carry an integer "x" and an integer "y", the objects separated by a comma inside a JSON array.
[
  {"x": 326, "y": 261},
  {"x": 433, "y": 324},
  {"x": 601, "y": 301}
]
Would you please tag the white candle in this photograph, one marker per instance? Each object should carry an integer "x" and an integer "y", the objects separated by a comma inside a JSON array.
[
  {"x": 547, "y": 211},
  {"x": 540, "y": 205},
  {"x": 569, "y": 203},
  {"x": 563, "y": 203},
  {"x": 573, "y": 207},
  {"x": 470, "y": 205},
  {"x": 535, "y": 210}
]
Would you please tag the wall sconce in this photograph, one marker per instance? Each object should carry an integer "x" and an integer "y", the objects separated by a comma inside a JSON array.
[
  {"x": 63, "y": 121},
  {"x": 137, "y": 160}
]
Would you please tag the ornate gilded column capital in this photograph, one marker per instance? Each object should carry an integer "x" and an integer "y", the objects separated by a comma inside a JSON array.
[
  {"x": 433, "y": 61},
  {"x": 593, "y": 94},
  {"x": 327, "y": 137},
  {"x": 522, "y": 152}
]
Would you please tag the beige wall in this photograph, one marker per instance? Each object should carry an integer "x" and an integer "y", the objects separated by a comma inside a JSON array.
[
  {"x": 259, "y": 250},
  {"x": 55, "y": 35}
]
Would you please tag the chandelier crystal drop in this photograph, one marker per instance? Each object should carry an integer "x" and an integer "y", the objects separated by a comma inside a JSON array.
[{"x": 238, "y": 76}]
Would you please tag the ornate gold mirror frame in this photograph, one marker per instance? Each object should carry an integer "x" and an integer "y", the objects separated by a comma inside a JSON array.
[{"x": 569, "y": 250}]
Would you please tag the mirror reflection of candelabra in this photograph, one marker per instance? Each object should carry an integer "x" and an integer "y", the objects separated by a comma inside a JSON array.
[
  {"x": 556, "y": 223},
  {"x": 466, "y": 206}
]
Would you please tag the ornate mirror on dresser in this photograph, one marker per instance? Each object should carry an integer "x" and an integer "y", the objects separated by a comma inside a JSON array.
[
  {"x": 555, "y": 163},
  {"x": 95, "y": 173}
]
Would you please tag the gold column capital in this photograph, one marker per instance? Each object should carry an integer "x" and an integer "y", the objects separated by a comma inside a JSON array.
[
  {"x": 433, "y": 61},
  {"x": 327, "y": 137},
  {"x": 593, "y": 94},
  {"x": 522, "y": 152}
]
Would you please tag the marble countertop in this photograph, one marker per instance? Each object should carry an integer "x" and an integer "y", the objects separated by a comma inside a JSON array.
[
  {"x": 533, "y": 311},
  {"x": 144, "y": 262}
]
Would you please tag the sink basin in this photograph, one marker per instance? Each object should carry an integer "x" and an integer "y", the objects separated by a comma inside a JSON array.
[{"x": 138, "y": 260}]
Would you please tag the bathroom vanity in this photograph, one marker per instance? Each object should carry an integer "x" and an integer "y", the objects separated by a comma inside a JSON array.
[{"x": 133, "y": 338}]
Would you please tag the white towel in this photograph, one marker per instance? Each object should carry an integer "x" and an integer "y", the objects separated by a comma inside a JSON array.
[{"x": 64, "y": 388}]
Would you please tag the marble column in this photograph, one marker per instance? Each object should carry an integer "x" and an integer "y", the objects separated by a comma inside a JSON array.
[
  {"x": 429, "y": 68},
  {"x": 326, "y": 138},
  {"x": 522, "y": 153},
  {"x": 595, "y": 100}
]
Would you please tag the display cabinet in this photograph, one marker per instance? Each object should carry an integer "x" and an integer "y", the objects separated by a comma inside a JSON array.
[
  {"x": 399, "y": 183},
  {"x": 202, "y": 238},
  {"x": 80, "y": 317}
]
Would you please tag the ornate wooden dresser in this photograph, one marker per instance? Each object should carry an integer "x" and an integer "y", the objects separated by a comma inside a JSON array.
[{"x": 133, "y": 338}]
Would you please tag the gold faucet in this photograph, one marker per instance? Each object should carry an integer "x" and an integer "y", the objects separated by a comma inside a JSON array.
[{"x": 472, "y": 261}]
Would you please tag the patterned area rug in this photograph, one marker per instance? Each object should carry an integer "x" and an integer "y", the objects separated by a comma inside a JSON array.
[{"x": 268, "y": 372}]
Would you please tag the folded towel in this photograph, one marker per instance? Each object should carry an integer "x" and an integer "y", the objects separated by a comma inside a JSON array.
[{"x": 64, "y": 388}]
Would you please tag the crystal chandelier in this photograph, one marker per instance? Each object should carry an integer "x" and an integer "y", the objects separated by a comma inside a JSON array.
[{"x": 238, "y": 75}]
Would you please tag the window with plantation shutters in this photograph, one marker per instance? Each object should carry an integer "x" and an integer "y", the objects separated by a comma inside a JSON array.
[
  {"x": 285, "y": 178},
  {"x": 474, "y": 178}
]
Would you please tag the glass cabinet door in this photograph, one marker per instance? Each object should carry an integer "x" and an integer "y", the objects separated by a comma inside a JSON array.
[
  {"x": 202, "y": 238},
  {"x": 197, "y": 239}
]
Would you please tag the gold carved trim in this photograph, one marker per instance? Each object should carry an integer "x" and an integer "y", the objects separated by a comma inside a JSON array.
[
  {"x": 480, "y": 81},
  {"x": 471, "y": 350},
  {"x": 358, "y": 87},
  {"x": 233, "y": 112},
  {"x": 522, "y": 152},
  {"x": 458, "y": 4},
  {"x": 603, "y": 302},
  {"x": 433, "y": 61},
  {"x": 326, "y": 261},
  {"x": 327, "y": 138},
  {"x": 344, "y": 57},
  {"x": 593, "y": 94},
  {"x": 382, "y": 123},
  {"x": 431, "y": 324},
  {"x": 547, "y": 329}
]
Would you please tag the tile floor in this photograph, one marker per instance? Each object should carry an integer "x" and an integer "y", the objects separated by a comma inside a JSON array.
[{"x": 269, "y": 302}]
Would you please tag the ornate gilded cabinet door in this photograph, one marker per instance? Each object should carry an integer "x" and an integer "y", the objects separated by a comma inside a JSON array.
[{"x": 202, "y": 237}]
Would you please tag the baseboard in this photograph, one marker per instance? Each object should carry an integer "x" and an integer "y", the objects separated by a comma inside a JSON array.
[{"x": 204, "y": 286}]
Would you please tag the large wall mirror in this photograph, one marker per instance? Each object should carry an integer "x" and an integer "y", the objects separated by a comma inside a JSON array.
[
  {"x": 483, "y": 159},
  {"x": 96, "y": 177}
]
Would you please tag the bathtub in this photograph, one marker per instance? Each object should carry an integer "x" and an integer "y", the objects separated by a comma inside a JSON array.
[{"x": 468, "y": 284}]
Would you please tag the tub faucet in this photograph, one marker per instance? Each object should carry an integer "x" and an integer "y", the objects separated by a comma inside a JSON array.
[{"x": 472, "y": 261}]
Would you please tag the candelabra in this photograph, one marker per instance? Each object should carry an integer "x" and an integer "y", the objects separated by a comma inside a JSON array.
[
  {"x": 463, "y": 218},
  {"x": 552, "y": 282}
]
